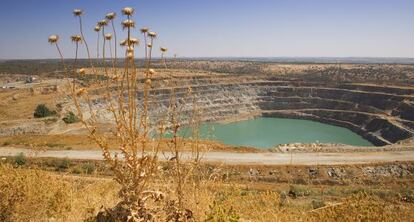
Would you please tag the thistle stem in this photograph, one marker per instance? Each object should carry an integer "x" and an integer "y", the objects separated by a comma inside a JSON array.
[
  {"x": 97, "y": 46},
  {"x": 116, "y": 41}
]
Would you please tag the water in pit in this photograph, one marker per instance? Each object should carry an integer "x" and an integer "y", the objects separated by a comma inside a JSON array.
[{"x": 268, "y": 132}]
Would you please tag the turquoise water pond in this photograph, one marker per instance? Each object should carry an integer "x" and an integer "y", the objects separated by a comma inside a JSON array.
[{"x": 266, "y": 132}]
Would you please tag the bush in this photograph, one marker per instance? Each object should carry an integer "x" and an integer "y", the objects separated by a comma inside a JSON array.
[
  {"x": 407, "y": 195},
  {"x": 77, "y": 170},
  {"x": 20, "y": 159},
  {"x": 70, "y": 117},
  {"x": 88, "y": 168},
  {"x": 6, "y": 143},
  {"x": 61, "y": 164},
  {"x": 296, "y": 191},
  {"x": 318, "y": 204},
  {"x": 42, "y": 111},
  {"x": 219, "y": 213}
]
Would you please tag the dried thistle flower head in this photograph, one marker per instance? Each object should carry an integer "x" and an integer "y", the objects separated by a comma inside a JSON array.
[
  {"x": 128, "y": 11},
  {"x": 76, "y": 38},
  {"x": 77, "y": 12},
  {"x": 163, "y": 49},
  {"x": 82, "y": 71},
  {"x": 108, "y": 36},
  {"x": 152, "y": 34},
  {"x": 133, "y": 41},
  {"x": 110, "y": 15},
  {"x": 130, "y": 55},
  {"x": 97, "y": 28},
  {"x": 123, "y": 42},
  {"x": 144, "y": 30},
  {"x": 149, "y": 45},
  {"x": 152, "y": 72},
  {"x": 53, "y": 39},
  {"x": 128, "y": 23},
  {"x": 148, "y": 81},
  {"x": 103, "y": 23}
]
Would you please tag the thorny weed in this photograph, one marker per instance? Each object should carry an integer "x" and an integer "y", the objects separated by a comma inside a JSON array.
[{"x": 139, "y": 133}]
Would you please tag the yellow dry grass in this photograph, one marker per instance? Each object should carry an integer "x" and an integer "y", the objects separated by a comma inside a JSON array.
[
  {"x": 33, "y": 195},
  {"x": 83, "y": 142},
  {"x": 20, "y": 103}
]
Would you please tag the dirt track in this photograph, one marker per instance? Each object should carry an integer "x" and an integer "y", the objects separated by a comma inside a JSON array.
[{"x": 245, "y": 158}]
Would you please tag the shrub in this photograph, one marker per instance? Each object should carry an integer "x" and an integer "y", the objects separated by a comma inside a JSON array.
[
  {"x": 407, "y": 195},
  {"x": 20, "y": 159},
  {"x": 70, "y": 117},
  {"x": 88, "y": 168},
  {"x": 61, "y": 164},
  {"x": 54, "y": 145},
  {"x": 296, "y": 191},
  {"x": 77, "y": 170},
  {"x": 6, "y": 143},
  {"x": 220, "y": 213},
  {"x": 318, "y": 204},
  {"x": 42, "y": 111}
]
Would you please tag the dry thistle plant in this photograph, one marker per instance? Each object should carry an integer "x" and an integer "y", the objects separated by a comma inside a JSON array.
[{"x": 139, "y": 132}]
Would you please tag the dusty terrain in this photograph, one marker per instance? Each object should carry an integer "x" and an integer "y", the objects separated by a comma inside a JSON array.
[
  {"x": 373, "y": 100},
  {"x": 55, "y": 170}
]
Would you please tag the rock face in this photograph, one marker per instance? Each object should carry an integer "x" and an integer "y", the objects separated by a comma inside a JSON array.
[{"x": 382, "y": 114}]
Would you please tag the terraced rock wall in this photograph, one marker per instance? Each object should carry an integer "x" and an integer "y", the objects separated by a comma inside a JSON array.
[{"x": 382, "y": 114}]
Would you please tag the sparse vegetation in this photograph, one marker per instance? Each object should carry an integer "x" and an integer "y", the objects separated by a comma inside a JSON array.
[
  {"x": 6, "y": 143},
  {"x": 42, "y": 111},
  {"x": 61, "y": 164},
  {"x": 218, "y": 200},
  {"x": 20, "y": 159},
  {"x": 28, "y": 195},
  {"x": 220, "y": 213},
  {"x": 317, "y": 203},
  {"x": 70, "y": 117}
]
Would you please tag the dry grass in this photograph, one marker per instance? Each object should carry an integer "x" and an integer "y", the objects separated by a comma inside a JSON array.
[
  {"x": 23, "y": 104},
  {"x": 27, "y": 195},
  {"x": 33, "y": 195},
  {"x": 82, "y": 142}
]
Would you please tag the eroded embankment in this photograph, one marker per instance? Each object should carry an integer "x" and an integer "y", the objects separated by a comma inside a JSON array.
[{"x": 382, "y": 114}]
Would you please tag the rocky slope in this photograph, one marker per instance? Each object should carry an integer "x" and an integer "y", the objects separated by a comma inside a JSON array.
[{"x": 382, "y": 114}]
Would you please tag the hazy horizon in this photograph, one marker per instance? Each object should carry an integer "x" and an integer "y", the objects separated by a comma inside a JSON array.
[{"x": 222, "y": 29}]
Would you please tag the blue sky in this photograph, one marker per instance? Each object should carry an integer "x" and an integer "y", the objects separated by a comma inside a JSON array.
[{"x": 221, "y": 28}]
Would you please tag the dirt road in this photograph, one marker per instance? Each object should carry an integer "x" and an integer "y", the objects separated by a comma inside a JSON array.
[{"x": 244, "y": 158}]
